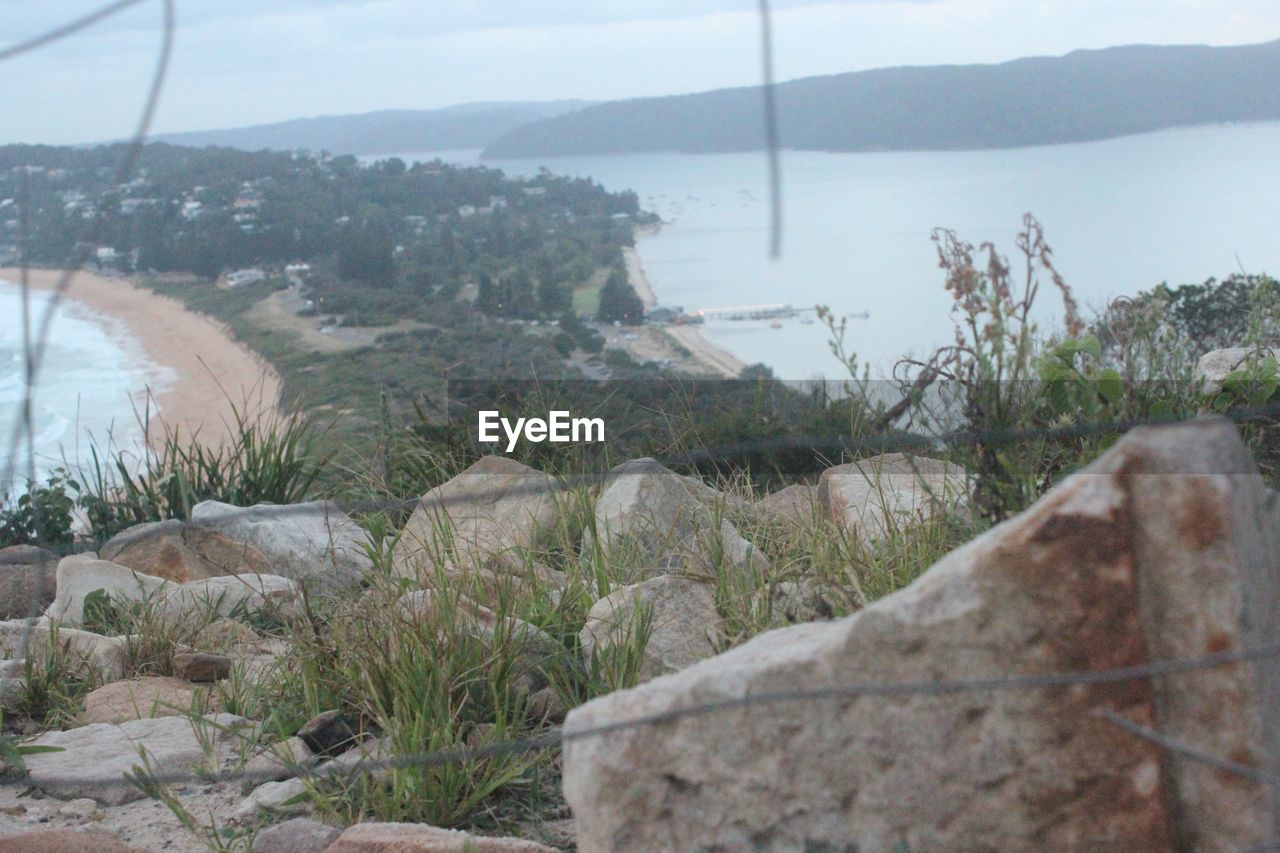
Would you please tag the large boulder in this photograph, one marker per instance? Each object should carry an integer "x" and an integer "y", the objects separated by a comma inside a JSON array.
[
  {"x": 795, "y": 505},
  {"x": 64, "y": 841},
  {"x": 141, "y": 698},
  {"x": 496, "y": 508},
  {"x": 874, "y": 497},
  {"x": 28, "y": 578},
  {"x": 90, "y": 654},
  {"x": 1214, "y": 367},
  {"x": 421, "y": 838},
  {"x": 678, "y": 614},
  {"x": 1168, "y": 547},
  {"x": 92, "y": 760},
  {"x": 178, "y": 551},
  {"x": 647, "y": 516},
  {"x": 79, "y": 576},
  {"x": 237, "y": 595},
  {"x": 316, "y": 543}
]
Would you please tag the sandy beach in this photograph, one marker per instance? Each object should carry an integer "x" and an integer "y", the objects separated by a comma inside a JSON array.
[
  {"x": 213, "y": 371},
  {"x": 703, "y": 351}
]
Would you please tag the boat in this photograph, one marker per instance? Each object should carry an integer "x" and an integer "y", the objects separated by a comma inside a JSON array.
[{"x": 775, "y": 325}]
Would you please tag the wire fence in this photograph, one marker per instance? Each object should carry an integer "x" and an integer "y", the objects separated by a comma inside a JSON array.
[{"x": 36, "y": 338}]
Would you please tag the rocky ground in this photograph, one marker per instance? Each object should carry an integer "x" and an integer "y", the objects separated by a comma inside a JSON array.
[{"x": 267, "y": 674}]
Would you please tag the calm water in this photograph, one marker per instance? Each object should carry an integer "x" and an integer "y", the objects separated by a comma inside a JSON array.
[
  {"x": 1122, "y": 216},
  {"x": 93, "y": 378}
]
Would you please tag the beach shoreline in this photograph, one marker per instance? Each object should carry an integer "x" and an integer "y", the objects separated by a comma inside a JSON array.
[
  {"x": 213, "y": 374},
  {"x": 702, "y": 351}
]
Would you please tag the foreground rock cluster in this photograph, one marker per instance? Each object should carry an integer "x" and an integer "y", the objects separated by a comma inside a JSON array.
[{"x": 1166, "y": 548}]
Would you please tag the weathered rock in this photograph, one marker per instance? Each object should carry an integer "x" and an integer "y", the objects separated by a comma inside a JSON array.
[
  {"x": 279, "y": 761},
  {"x": 181, "y": 552},
  {"x": 493, "y": 509},
  {"x": 795, "y": 505},
  {"x": 224, "y": 634},
  {"x": 647, "y": 516},
  {"x": 1167, "y": 547},
  {"x": 287, "y": 797},
  {"x": 201, "y": 667},
  {"x": 792, "y": 601},
  {"x": 678, "y": 613},
  {"x": 28, "y": 580},
  {"x": 79, "y": 576},
  {"x": 84, "y": 808},
  {"x": 296, "y": 835},
  {"x": 316, "y": 543},
  {"x": 141, "y": 698},
  {"x": 873, "y": 497},
  {"x": 94, "y": 759},
  {"x": 1217, "y": 365},
  {"x": 535, "y": 650},
  {"x": 331, "y": 732},
  {"x": 64, "y": 841},
  {"x": 421, "y": 838},
  {"x": 105, "y": 655},
  {"x": 236, "y": 594},
  {"x": 546, "y": 706}
]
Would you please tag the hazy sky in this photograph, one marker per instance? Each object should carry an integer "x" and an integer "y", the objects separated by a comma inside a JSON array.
[{"x": 243, "y": 62}]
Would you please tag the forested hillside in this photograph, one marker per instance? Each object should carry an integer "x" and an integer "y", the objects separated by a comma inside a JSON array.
[{"x": 1086, "y": 95}]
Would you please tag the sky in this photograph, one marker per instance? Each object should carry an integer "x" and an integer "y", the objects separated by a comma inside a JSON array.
[{"x": 241, "y": 62}]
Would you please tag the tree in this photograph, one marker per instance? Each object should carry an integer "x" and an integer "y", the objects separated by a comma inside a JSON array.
[{"x": 619, "y": 302}]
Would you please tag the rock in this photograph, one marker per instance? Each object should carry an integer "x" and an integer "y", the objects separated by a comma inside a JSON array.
[
  {"x": 272, "y": 595},
  {"x": 64, "y": 841},
  {"x": 181, "y": 552},
  {"x": 316, "y": 543},
  {"x": 296, "y": 835},
  {"x": 94, "y": 759},
  {"x": 789, "y": 602},
  {"x": 142, "y": 698},
  {"x": 421, "y": 838},
  {"x": 873, "y": 497},
  {"x": 106, "y": 655},
  {"x": 1167, "y": 547},
  {"x": 1215, "y": 366},
  {"x": 546, "y": 706},
  {"x": 201, "y": 667},
  {"x": 331, "y": 732},
  {"x": 279, "y": 761},
  {"x": 82, "y": 809},
  {"x": 78, "y": 576},
  {"x": 647, "y": 516},
  {"x": 287, "y": 797},
  {"x": 535, "y": 650},
  {"x": 224, "y": 634},
  {"x": 681, "y": 616},
  {"x": 795, "y": 505},
  {"x": 494, "y": 508},
  {"x": 361, "y": 759},
  {"x": 28, "y": 579}
]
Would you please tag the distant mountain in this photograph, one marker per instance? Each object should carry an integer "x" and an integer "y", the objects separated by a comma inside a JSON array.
[
  {"x": 1086, "y": 95},
  {"x": 385, "y": 132}
]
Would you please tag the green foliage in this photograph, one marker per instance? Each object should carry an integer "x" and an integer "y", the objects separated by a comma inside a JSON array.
[
  {"x": 619, "y": 302},
  {"x": 40, "y": 516},
  {"x": 267, "y": 459}
]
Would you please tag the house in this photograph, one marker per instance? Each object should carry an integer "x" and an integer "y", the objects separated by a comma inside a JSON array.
[
  {"x": 534, "y": 190},
  {"x": 105, "y": 256},
  {"x": 467, "y": 210}
]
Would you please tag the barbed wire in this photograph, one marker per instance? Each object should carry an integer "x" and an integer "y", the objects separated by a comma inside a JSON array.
[{"x": 859, "y": 690}]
